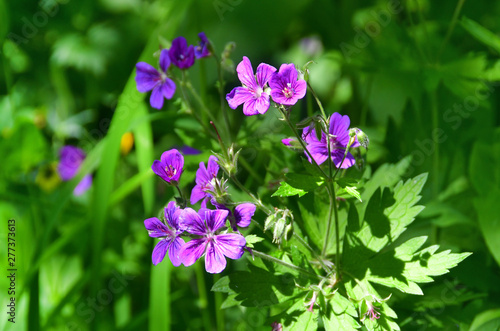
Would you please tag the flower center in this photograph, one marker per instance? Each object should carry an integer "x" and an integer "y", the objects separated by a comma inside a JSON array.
[
  {"x": 171, "y": 171},
  {"x": 288, "y": 90}
]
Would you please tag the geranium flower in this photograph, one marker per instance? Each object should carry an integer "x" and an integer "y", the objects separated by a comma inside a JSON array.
[
  {"x": 70, "y": 160},
  {"x": 148, "y": 78},
  {"x": 339, "y": 139},
  {"x": 181, "y": 55},
  {"x": 171, "y": 242},
  {"x": 204, "y": 183},
  {"x": 253, "y": 94},
  {"x": 169, "y": 167},
  {"x": 215, "y": 246},
  {"x": 285, "y": 88},
  {"x": 202, "y": 50}
]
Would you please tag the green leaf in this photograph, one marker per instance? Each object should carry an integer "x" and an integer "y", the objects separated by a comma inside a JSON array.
[
  {"x": 298, "y": 185},
  {"x": 342, "y": 314},
  {"x": 297, "y": 318},
  {"x": 258, "y": 287},
  {"x": 486, "y": 321},
  {"x": 386, "y": 175},
  {"x": 489, "y": 221},
  {"x": 252, "y": 239},
  {"x": 405, "y": 266},
  {"x": 482, "y": 34},
  {"x": 285, "y": 190},
  {"x": 348, "y": 184}
]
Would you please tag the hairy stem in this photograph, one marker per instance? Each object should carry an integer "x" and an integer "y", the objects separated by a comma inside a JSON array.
[{"x": 285, "y": 264}]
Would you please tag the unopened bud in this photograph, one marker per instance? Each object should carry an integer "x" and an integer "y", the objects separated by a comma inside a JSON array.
[{"x": 362, "y": 137}]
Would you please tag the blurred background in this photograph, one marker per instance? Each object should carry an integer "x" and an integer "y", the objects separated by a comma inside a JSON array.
[{"x": 420, "y": 77}]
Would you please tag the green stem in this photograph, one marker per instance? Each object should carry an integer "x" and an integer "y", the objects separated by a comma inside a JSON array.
[
  {"x": 264, "y": 256},
  {"x": 453, "y": 23},
  {"x": 313, "y": 252},
  {"x": 219, "y": 315},
  {"x": 202, "y": 294},
  {"x": 181, "y": 196},
  {"x": 221, "y": 95},
  {"x": 251, "y": 195},
  {"x": 320, "y": 105},
  {"x": 299, "y": 138}
]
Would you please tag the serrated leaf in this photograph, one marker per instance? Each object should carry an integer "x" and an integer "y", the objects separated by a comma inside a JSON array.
[
  {"x": 349, "y": 186},
  {"x": 252, "y": 239},
  {"x": 341, "y": 316},
  {"x": 257, "y": 287},
  {"x": 297, "y": 318},
  {"x": 386, "y": 175},
  {"x": 298, "y": 185},
  {"x": 405, "y": 266}
]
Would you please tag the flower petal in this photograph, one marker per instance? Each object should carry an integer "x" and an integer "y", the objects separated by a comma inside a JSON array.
[
  {"x": 262, "y": 104},
  {"x": 192, "y": 251},
  {"x": 168, "y": 88},
  {"x": 156, "y": 228},
  {"x": 164, "y": 60},
  {"x": 300, "y": 88},
  {"x": 214, "y": 219},
  {"x": 159, "y": 169},
  {"x": 156, "y": 99},
  {"x": 237, "y": 96},
  {"x": 212, "y": 167},
  {"x": 83, "y": 185},
  {"x": 175, "y": 161},
  {"x": 245, "y": 73},
  {"x": 339, "y": 126},
  {"x": 146, "y": 77},
  {"x": 337, "y": 156},
  {"x": 197, "y": 194},
  {"x": 249, "y": 107},
  {"x": 230, "y": 244},
  {"x": 215, "y": 262},
  {"x": 172, "y": 214},
  {"x": 243, "y": 214},
  {"x": 319, "y": 152},
  {"x": 264, "y": 73},
  {"x": 192, "y": 222},
  {"x": 71, "y": 158},
  {"x": 159, "y": 251},
  {"x": 174, "y": 250}
]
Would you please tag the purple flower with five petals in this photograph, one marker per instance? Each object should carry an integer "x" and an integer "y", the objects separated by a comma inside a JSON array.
[
  {"x": 215, "y": 246},
  {"x": 285, "y": 88},
  {"x": 171, "y": 241},
  {"x": 204, "y": 177},
  {"x": 253, "y": 94},
  {"x": 181, "y": 54},
  {"x": 169, "y": 167},
  {"x": 339, "y": 139},
  {"x": 148, "y": 78},
  {"x": 202, "y": 49},
  {"x": 70, "y": 160}
]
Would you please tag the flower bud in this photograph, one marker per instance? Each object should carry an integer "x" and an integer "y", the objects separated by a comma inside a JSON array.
[{"x": 362, "y": 137}]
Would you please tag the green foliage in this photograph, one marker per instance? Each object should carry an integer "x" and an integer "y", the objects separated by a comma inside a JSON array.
[{"x": 298, "y": 185}]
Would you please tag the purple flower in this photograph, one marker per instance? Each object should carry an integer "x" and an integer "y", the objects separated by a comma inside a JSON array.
[
  {"x": 285, "y": 88},
  {"x": 242, "y": 215},
  {"x": 148, "y": 78},
  {"x": 204, "y": 177},
  {"x": 180, "y": 54},
  {"x": 202, "y": 49},
  {"x": 287, "y": 141},
  {"x": 70, "y": 160},
  {"x": 339, "y": 139},
  {"x": 253, "y": 94},
  {"x": 215, "y": 246},
  {"x": 170, "y": 167},
  {"x": 171, "y": 241},
  {"x": 188, "y": 150}
]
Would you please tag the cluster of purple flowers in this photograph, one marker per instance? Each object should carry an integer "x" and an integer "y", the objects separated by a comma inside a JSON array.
[
  {"x": 282, "y": 86},
  {"x": 180, "y": 55},
  {"x": 339, "y": 140},
  {"x": 207, "y": 228}
]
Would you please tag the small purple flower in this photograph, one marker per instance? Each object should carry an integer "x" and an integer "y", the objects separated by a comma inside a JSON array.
[
  {"x": 285, "y": 88},
  {"x": 70, "y": 160},
  {"x": 253, "y": 94},
  {"x": 202, "y": 49},
  {"x": 181, "y": 54},
  {"x": 171, "y": 241},
  {"x": 188, "y": 150},
  {"x": 287, "y": 141},
  {"x": 204, "y": 177},
  {"x": 243, "y": 214},
  {"x": 215, "y": 246},
  {"x": 148, "y": 78},
  {"x": 339, "y": 139},
  {"x": 170, "y": 166}
]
